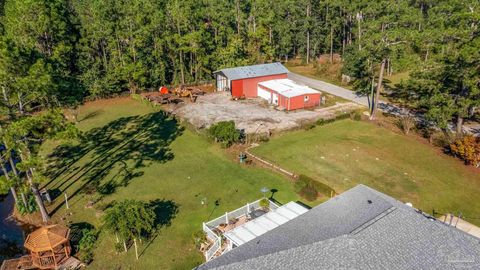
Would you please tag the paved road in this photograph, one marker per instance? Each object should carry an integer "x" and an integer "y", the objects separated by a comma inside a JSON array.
[
  {"x": 329, "y": 88},
  {"x": 348, "y": 94}
]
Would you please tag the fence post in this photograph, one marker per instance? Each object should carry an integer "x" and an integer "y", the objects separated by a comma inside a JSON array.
[{"x": 226, "y": 217}]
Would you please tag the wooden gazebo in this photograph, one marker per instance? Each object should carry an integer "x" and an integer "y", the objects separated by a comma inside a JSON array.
[{"x": 49, "y": 246}]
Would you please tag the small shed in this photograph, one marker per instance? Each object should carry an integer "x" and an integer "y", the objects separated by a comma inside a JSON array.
[
  {"x": 243, "y": 81},
  {"x": 49, "y": 246},
  {"x": 288, "y": 95}
]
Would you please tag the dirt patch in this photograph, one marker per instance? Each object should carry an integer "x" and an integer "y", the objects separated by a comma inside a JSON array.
[{"x": 252, "y": 115}]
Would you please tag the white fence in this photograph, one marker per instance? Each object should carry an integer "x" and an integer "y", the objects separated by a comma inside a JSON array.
[
  {"x": 217, "y": 243},
  {"x": 212, "y": 224},
  {"x": 239, "y": 212}
]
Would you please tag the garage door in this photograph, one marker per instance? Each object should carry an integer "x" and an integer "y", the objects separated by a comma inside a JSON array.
[{"x": 264, "y": 94}]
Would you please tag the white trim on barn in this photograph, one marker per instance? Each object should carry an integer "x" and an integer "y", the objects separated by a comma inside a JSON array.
[
  {"x": 264, "y": 94},
  {"x": 287, "y": 88}
]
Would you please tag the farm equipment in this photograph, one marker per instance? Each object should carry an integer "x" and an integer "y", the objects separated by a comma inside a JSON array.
[
  {"x": 163, "y": 90},
  {"x": 163, "y": 97},
  {"x": 190, "y": 92}
]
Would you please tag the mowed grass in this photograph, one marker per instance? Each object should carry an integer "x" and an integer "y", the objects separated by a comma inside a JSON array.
[
  {"x": 346, "y": 153},
  {"x": 132, "y": 151}
]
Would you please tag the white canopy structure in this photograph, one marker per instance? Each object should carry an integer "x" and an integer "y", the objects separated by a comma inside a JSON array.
[{"x": 265, "y": 223}]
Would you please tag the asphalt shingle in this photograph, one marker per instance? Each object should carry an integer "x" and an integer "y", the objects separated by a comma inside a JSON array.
[{"x": 360, "y": 229}]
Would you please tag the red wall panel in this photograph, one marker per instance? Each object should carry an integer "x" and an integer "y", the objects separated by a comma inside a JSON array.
[
  {"x": 299, "y": 102},
  {"x": 237, "y": 88},
  {"x": 249, "y": 86}
]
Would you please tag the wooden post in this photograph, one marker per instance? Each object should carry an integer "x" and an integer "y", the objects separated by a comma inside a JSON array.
[
  {"x": 66, "y": 200},
  {"x": 136, "y": 248}
]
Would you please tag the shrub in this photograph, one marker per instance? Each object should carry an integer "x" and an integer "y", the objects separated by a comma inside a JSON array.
[
  {"x": 306, "y": 188},
  {"x": 342, "y": 116},
  {"x": 86, "y": 245},
  {"x": 225, "y": 133},
  {"x": 406, "y": 123},
  {"x": 308, "y": 126},
  {"x": 357, "y": 116},
  {"x": 310, "y": 189},
  {"x": 199, "y": 237},
  {"x": 321, "y": 122},
  {"x": 29, "y": 208},
  {"x": 264, "y": 203},
  {"x": 467, "y": 149}
]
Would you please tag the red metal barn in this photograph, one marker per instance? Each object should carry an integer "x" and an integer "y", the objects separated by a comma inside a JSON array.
[
  {"x": 288, "y": 95},
  {"x": 243, "y": 81}
]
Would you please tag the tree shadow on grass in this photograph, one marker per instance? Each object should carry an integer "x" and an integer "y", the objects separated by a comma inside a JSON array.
[
  {"x": 115, "y": 154},
  {"x": 165, "y": 212}
]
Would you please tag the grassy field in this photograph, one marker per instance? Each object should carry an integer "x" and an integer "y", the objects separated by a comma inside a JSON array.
[
  {"x": 345, "y": 153},
  {"x": 132, "y": 151}
]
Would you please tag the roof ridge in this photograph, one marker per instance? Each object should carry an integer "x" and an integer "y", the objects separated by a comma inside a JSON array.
[{"x": 373, "y": 220}]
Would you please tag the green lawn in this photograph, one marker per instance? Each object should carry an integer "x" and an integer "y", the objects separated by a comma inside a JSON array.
[
  {"x": 132, "y": 151},
  {"x": 346, "y": 153}
]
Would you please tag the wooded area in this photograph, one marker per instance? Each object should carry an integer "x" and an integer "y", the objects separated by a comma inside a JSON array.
[{"x": 58, "y": 51}]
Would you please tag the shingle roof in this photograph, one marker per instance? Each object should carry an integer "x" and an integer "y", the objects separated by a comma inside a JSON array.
[
  {"x": 349, "y": 232},
  {"x": 254, "y": 71}
]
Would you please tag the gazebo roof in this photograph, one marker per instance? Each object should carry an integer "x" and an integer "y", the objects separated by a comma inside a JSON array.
[{"x": 47, "y": 238}]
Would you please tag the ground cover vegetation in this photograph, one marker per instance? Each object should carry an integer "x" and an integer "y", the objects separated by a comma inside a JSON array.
[
  {"x": 345, "y": 153},
  {"x": 129, "y": 150}
]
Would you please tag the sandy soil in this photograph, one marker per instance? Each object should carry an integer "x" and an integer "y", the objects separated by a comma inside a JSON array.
[{"x": 253, "y": 115}]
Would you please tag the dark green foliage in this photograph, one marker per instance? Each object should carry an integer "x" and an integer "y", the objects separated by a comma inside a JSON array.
[
  {"x": 310, "y": 189},
  {"x": 264, "y": 203},
  {"x": 60, "y": 51},
  {"x": 342, "y": 116},
  {"x": 86, "y": 245},
  {"x": 29, "y": 208},
  {"x": 225, "y": 133},
  {"x": 130, "y": 219},
  {"x": 357, "y": 116},
  {"x": 199, "y": 237}
]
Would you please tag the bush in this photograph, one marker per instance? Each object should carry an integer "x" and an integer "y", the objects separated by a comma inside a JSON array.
[
  {"x": 86, "y": 245},
  {"x": 264, "y": 203},
  {"x": 321, "y": 122},
  {"x": 311, "y": 189},
  {"x": 225, "y": 133},
  {"x": 342, "y": 116},
  {"x": 308, "y": 126},
  {"x": 357, "y": 116},
  {"x": 199, "y": 237},
  {"x": 31, "y": 205},
  {"x": 467, "y": 149},
  {"x": 406, "y": 123}
]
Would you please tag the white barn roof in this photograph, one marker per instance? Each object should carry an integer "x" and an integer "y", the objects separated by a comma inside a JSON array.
[
  {"x": 288, "y": 88},
  {"x": 254, "y": 71},
  {"x": 265, "y": 223}
]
